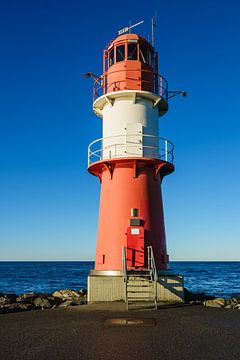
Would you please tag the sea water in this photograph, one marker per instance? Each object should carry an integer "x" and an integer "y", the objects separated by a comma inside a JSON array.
[{"x": 213, "y": 278}]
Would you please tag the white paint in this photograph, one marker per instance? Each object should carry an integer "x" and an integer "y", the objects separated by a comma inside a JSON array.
[
  {"x": 135, "y": 231},
  {"x": 126, "y": 119},
  {"x": 134, "y": 139}
]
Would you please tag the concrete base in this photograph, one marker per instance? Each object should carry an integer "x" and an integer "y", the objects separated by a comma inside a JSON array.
[{"x": 106, "y": 288}]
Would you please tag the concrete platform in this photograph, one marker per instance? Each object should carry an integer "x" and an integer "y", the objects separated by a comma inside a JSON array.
[
  {"x": 170, "y": 287},
  {"x": 87, "y": 332}
]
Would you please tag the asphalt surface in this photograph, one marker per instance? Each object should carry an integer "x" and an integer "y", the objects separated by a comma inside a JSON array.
[{"x": 91, "y": 332}]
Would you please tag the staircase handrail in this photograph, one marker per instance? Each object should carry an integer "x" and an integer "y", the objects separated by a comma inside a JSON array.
[
  {"x": 153, "y": 271},
  {"x": 124, "y": 263}
]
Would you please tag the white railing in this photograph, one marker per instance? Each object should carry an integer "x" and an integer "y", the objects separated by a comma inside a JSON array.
[{"x": 130, "y": 145}]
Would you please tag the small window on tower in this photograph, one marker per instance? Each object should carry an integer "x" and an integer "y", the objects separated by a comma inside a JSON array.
[
  {"x": 132, "y": 52},
  {"x": 134, "y": 212},
  {"x": 120, "y": 53},
  {"x": 143, "y": 54},
  {"x": 111, "y": 57}
]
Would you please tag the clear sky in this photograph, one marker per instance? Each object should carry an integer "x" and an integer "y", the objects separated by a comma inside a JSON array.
[{"x": 48, "y": 201}]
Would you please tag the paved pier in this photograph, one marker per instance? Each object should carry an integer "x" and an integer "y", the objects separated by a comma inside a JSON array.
[{"x": 92, "y": 332}]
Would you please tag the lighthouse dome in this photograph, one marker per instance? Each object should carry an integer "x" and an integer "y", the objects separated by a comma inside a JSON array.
[{"x": 130, "y": 63}]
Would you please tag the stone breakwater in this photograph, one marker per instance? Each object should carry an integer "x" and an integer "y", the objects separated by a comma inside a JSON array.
[
  {"x": 211, "y": 301},
  {"x": 34, "y": 301},
  {"x": 68, "y": 297}
]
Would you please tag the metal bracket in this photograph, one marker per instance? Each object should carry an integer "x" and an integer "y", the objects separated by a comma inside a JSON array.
[
  {"x": 109, "y": 167},
  {"x": 108, "y": 101},
  {"x": 134, "y": 98},
  {"x": 95, "y": 77},
  {"x": 156, "y": 102},
  {"x": 171, "y": 94},
  {"x": 135, "y": 169},
  {"x": 157, "y": 169}
]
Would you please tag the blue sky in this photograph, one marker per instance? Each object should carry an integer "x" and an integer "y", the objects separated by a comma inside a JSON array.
[{"x": 48, "y": 201}]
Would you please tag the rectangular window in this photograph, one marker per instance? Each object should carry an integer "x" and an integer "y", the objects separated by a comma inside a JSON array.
[
  {"x": 134, "y": 212},
  {"x": 111, "y": 57},
  {"x": 120, "y": 53},
  {"x": 132, "y": 52},
  {"x": 143, "y": 54}
]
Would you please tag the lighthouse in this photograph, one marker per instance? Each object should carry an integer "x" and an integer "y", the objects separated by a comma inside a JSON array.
[{"x": 131, "y": 159}]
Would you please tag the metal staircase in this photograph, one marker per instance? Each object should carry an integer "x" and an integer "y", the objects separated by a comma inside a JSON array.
[{"x": 141, "y": 284}]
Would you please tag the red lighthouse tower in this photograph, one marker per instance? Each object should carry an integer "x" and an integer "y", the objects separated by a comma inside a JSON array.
[{"x": 130, "y": 161}]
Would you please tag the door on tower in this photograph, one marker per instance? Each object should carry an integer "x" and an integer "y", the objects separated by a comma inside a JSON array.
[{"x": 135, "y": 247}]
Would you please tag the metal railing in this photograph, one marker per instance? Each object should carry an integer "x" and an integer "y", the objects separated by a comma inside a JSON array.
[
  {"x": 98, "y": 88},
  {"x": 153, "y": 271},
  {"x": 124, "y": 263},
  {"x": 130, "y": 145},
  {"x": 160, "y": 86}
]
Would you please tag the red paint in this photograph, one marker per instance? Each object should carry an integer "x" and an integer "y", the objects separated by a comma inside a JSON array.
[
  {"x": 138, "y": 74},
  {"x": 135, "y": 247},
  {"x": 121, "y": 190}
]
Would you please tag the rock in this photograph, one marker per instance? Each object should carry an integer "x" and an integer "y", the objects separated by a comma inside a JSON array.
[
  {"x": 217, "y": 302},
  {"x": 80, "y": 301},
  {"x": 55, "y": 300},
  {"x": 28, "y": 301},
  {"x": 83, "y": 292},
  {"x": 65, "y": 303},
  {"x": 235, "y": 300},
  {"x": 229, "y": 306},
  {"x": 7, "y": 299},
  {"x": 196, "y": 298},
  {"x": 195, "y": 302},
  {"x": 68, "y": 294},
  {"x": 73, "y": 302},
  {"x": 14, "y": 307},
  {"x": 46, "y": 302},
  {"x": 237, "y": 307},
  {"x": 41, "y": 303},
  {"x": 27, "y": 298}
]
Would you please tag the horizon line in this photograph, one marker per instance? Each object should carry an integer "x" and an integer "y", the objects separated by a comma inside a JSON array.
[{"x": 94, "y": 260}]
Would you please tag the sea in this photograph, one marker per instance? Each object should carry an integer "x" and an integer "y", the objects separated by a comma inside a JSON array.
[{"x": 221, "y": 279}]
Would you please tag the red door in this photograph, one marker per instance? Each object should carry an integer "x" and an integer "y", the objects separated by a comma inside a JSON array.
[{"x": 135, "y": 246}]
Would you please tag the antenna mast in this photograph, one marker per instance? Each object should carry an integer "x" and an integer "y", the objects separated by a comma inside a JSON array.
[{"x": 153, "y": 30}]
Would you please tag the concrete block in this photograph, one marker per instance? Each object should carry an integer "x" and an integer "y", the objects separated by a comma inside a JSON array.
[{"x": 112, "y": 288}]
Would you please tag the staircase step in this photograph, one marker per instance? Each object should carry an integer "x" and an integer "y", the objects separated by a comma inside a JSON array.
[
  {"x": 140, "y": 298},
  {"x": 129, "y": 286},
  {"x": 132, "y": 282},
  {"x": 139, "y": 277},
  {"x": 143, "y": 284},
  {"x": 151, "y": 301},
  {"x": 140, "y": 288}
]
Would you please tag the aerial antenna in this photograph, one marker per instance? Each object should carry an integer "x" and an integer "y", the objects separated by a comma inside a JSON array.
[
  {"x": 128, "y": 28},
  {"x": 154, "y": 24}
]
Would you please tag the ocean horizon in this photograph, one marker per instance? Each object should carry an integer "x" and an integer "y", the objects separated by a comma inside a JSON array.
[{"x": 218, "y": 278}]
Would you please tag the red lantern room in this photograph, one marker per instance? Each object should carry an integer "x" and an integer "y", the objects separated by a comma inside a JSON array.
[{"x": 130, "y": 63}]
